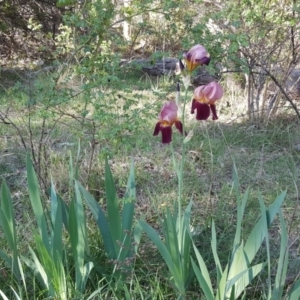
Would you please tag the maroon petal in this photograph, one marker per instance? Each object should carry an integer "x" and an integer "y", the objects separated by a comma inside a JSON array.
[
  {"x": 166, "y": 134},
  {"x": 194, "y": 106},
  {"x": 214, "y": 111},
  {"x": 203, "y": 111},
  {"x": 179, "y": 126},
  {"x": 203, "y": 61},
  {"x": 156, "y": 129}
]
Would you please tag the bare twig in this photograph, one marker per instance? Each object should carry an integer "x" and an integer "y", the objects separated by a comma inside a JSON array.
[
  {"x": 6, "y": 120},
  {"x": 282, "y": 90}
]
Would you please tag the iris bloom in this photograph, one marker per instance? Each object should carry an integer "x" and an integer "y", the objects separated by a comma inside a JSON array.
[
  {"x": 166, "y": 118},
  {"x": 195, "y": 57},
  {"x": 204, "y": 100}
]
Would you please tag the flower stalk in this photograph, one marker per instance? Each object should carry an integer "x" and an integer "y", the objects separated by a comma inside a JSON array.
[
  {"x": 176, "y": 247},
  {"x": 181, "y": 167}
]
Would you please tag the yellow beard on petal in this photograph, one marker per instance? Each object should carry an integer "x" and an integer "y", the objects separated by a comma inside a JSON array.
[
  {"x": 190, "y": 65},
  {"x": 203, "y": 99},
  {"x": 165, "y": 123}
]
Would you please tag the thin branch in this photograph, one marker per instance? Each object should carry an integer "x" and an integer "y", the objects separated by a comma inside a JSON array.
[
  {"x": 282, "y": 91},
  {"x": 7, "y": 120}
]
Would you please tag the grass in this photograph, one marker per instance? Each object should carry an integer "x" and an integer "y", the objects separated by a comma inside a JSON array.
[{"x": 265, "y": 155}]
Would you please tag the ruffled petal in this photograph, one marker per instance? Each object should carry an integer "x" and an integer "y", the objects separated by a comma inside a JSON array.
[
  {"x": 213, "y": 91},
  {"x": 179, "y": 126},
  {"x": 156, "y": 129},
  {"x": 199, "y": 94},
  {"x": 193, "y": 106},
  {"x": 208, "y": 93},
  {"x": 168, "y": 112},
  {"x": 166, "y": 134},
  {"x": 203, "y": 111},
  {"x": 197, "y": 52},
  {"x": 203, "y": 61}
]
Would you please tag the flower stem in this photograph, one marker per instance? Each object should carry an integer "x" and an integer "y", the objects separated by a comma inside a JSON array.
[{"x": 180, "y": 173}]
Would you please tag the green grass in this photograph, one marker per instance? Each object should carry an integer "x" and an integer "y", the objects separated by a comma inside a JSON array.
[{"x": 264, "y": 154}]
